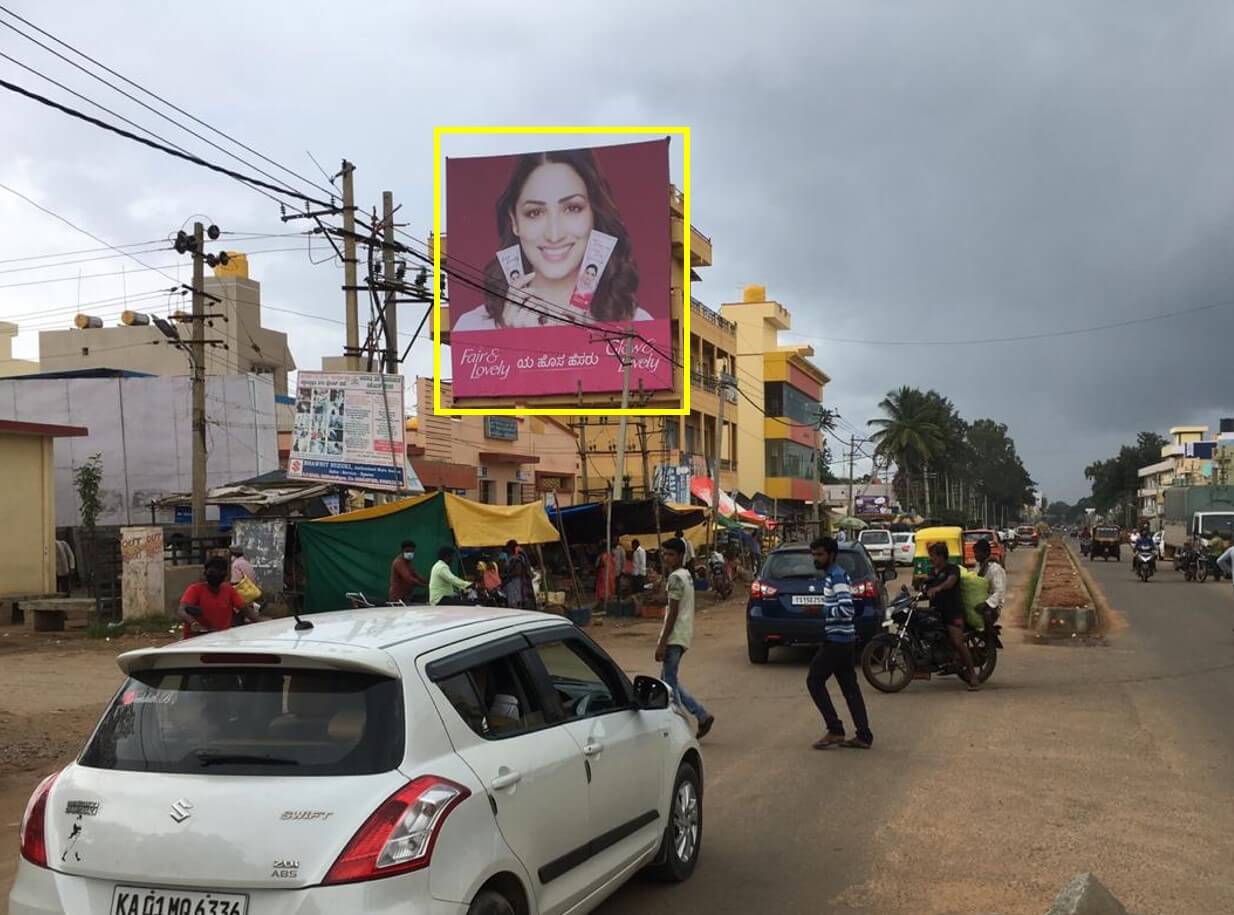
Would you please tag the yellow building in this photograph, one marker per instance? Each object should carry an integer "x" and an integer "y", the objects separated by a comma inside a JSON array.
[
  {"x": 781, "y": 395},
  {"x": 250, "y": 347},
  {"x": 500, "y": 460},
  {"x": 10, "y": 367},
  {"x": 1174, "y": 469},
  {"x": 27, "y": 504}
]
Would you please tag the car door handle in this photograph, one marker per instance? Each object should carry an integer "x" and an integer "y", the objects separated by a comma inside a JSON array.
[
  {"x": 593, "y": 749},
  {"x": 506, "y": 778}
]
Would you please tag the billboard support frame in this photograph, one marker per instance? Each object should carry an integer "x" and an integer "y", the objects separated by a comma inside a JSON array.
[{"x": 482, "y": 130}]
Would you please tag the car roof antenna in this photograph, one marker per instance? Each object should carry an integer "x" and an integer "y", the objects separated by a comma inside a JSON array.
[{"x": 301, "y": 625}]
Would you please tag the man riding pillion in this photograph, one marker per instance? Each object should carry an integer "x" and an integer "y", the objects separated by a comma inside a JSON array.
[
  {"x": 943, "y": 590},
  {"x": 996, "y": 575}
]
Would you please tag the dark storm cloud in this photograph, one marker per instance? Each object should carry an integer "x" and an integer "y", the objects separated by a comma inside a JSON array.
[{"x": 932, "y": 171}]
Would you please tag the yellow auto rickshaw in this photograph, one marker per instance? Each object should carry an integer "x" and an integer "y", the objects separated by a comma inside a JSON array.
[{"x": 952, "y": 536}]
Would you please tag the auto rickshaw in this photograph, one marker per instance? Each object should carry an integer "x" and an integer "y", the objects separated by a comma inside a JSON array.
[
  {"x": 1107, "y": 542},
  {"x": 952, "y": 536}
]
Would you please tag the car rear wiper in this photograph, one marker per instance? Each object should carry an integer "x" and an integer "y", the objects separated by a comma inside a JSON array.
[{"x": 207, "y": 758}]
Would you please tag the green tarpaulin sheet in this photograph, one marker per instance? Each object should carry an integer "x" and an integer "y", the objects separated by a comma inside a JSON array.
[{"x": 353, "y": 552}]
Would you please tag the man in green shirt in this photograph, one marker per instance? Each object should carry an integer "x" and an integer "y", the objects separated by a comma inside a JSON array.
[{"x": 444, "y": 586}]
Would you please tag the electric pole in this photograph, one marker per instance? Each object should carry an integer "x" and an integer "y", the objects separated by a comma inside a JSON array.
[
  {"x": 717, "y": 451},
  {"x": 817, "y": 472},
  {"x": 852, "y": 455},
  {"x": 582, "y": 454},
  {"x": 648, "y": 488},
  {"x": 199, "y": 382},
  {"x": 391, "y": 310},
  {"x": 352, "y": 349},
  {"x": 627, "y": 360}
]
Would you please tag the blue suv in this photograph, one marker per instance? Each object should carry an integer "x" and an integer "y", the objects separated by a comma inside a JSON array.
[{"x": 786, "y": 600}]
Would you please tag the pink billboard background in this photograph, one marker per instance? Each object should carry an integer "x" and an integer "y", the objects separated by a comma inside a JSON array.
[{"x": 509, "y": 340}]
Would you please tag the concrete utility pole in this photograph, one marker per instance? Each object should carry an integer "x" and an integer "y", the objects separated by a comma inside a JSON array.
[
  {"x": 852, "y": 456},
  {"x": 199, "y": 381},
  {"x": 627, "y": 359},
  {"x": 352, "y": 349},
  {"x": 717, "y": 451},
  {"x": 391, "y": 322},
  {"x": 582, "y": 454},
  {"x": 817, "y": 475},
  {"x": 648, "y": 488}
]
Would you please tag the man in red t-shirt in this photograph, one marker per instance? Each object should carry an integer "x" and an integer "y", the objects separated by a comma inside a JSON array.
[{"x": 207, "y": 606}]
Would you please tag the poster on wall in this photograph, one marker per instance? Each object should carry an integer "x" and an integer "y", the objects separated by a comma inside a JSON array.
[
  {"x": 562, "y": 245},
  {"x": 349, "y": 429}
]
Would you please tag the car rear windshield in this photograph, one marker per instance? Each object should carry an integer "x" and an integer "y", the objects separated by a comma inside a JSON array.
[
  {"x": 878, "y": 538},
  {"x": 974, "y": 536},
  {"x": 902, "y": 538},
  {"x": 800, "y": 564},
  {"x": 251, "y": 721},
  {"x": 1107, "y": 532}
]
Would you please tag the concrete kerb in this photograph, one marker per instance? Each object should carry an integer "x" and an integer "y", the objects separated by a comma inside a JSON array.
[
  {"x": 1085, "y": 895},
  {"x": 1066, "y": 624}
]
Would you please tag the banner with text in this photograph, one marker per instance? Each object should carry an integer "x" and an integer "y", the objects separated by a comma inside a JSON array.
[{"x": 349, "y": 430}]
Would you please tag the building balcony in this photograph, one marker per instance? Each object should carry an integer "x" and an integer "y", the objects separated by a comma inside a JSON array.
[
  {"x": 711, "y": 317},
  {"x": 701, "y": 381},
  {"x": 700, "y": 244}
]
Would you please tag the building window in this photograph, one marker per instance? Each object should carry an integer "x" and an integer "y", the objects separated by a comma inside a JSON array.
[
  {"x": 691, "y": 438},
  {"x": 672, "y": 434},
  {"x": 782, "y": 399},
  {"x": 514, "y": 493},
  {"x": 488, "y": 492},
  {"x": 788, "y": 459}
]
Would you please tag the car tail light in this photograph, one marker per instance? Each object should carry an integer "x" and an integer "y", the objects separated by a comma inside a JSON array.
[
  {"x": 762, "y": 589},
  {"x": 866, "y": 589},
  {"x": 400, "y": 835},
  {"x": 34, "y": 823}
]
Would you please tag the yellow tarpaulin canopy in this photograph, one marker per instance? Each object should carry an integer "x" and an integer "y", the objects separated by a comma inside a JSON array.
[
  {"x": 478, "y": 524},
  {"x": 376, "y": 511}
]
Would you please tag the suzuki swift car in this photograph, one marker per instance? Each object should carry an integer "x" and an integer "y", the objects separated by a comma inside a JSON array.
[
  {"x": 404, "y": 759},
  {"x": 786, "y": 600}
]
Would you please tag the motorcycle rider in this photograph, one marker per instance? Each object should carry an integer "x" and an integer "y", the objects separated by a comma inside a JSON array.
[
  {"x": 996, "y": 575},
  {"x": 943, "y": 590},
  {"x": 1144, "y": 544}
]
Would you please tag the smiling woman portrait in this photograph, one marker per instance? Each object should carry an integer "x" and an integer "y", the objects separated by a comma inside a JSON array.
[{"x": 549, "y": 208}]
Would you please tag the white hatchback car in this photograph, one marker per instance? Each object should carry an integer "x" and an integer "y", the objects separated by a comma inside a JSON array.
[
  {"x": 905, "y": 547},
  {"x": 452, "y": 760},
  {"x": 879, "y": 545}
]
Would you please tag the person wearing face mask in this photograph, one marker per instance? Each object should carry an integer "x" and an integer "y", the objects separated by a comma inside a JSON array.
[
  {"x": 403, "y": 575},
  {"x": 207, "y": 606}
]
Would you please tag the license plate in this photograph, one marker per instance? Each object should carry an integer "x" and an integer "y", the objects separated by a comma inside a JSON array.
[
  {"x": 807, "y": 600},
  {"x": 141, "y": 900}
]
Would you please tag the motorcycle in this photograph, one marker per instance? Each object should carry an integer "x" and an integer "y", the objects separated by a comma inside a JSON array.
[
  {"x": 718, "y": 579},
  {"x": 1193, "y": 566},
  {"x": 916, "y": 645},
  {"x": 1210, "y": 567},
  {"x": 1144, "y": 564}
]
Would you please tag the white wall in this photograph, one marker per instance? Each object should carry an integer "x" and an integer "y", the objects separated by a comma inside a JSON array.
[{"x": 143, "y": 428}]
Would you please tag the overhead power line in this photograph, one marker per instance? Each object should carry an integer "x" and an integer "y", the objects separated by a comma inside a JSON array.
[{"x": 151, "y": 94}]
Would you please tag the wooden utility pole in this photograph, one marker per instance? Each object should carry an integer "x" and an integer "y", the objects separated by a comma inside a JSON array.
[
  {"x": 627, "y": 360},
  {"x": 199, "y": 381},
  {"x": 352, "y": 349},
  {"x": 391, "y": 311}
]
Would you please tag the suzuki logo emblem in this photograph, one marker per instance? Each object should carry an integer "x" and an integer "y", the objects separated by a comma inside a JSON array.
[{"x": 181, "y": 810}]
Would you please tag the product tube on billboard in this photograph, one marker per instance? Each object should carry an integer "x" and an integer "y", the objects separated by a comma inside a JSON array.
[
  {"x": 572, "y": 244},
  {"x": 595, "y": 259},
  {"x": 511, "y": 260}
]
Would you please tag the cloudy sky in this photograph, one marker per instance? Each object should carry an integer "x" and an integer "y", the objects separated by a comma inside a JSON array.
[{"x": 907, "y": 178}]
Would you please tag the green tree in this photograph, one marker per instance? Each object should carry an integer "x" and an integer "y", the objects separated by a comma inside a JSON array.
[
  {"x": 1116, "y": 479},
  {"x": 910, "y": 434}
]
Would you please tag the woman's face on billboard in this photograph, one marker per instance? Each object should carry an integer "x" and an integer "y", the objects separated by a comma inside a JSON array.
[{"x": 553, "y": 220}]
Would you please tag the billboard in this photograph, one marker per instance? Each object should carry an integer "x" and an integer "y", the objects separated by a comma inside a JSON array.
[
  {"x": 349, "y": 430},
  {"x": 551, "y": 254}
]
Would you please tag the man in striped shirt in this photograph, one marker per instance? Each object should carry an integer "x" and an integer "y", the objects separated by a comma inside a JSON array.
[{"x": 837, "y": 655}]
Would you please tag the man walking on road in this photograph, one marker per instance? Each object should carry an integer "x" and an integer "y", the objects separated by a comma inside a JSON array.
[
  {"x": 678, "y": 631},
  {"x": 837, "y": 656}
]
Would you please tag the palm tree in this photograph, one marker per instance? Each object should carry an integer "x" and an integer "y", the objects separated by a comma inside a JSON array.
[{"x": 910, "y": 433}]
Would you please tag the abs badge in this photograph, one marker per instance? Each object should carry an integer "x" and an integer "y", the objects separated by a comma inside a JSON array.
[
  {"x": 82, "y": 808},
  {"x": 285, "y": 868}
]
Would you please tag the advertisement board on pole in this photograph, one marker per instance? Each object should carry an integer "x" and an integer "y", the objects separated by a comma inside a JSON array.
[
  {"x": 551, "y": 253},
  {"x": 349, "y": 429}
]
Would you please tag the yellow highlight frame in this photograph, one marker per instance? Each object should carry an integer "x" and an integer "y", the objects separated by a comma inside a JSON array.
[{"x": 482, "y": 130}]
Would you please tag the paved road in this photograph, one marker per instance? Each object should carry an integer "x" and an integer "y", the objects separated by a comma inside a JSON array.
[
  {"x": 1110, "y": 758},
  {"x": 1183, "y": 634}
]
